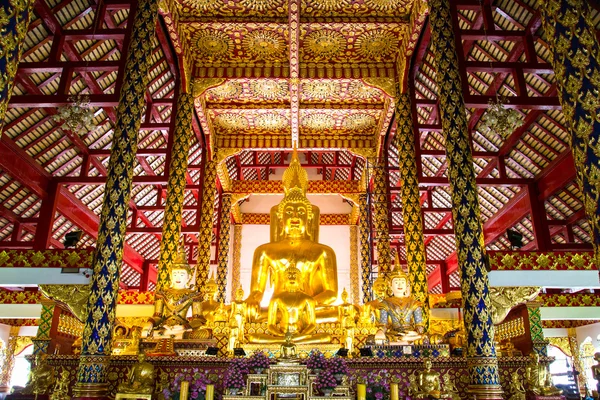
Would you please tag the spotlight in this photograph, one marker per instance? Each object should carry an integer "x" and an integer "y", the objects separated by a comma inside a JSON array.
[
  {"x": 343, "y": 352},
  {"x": 515, "y": 238},
  {"x": 239, "y": 352},
  {"x": 71, "y": 239},
  {"x": 366, "y": 352},
  {"x": 212, "y": 351}
]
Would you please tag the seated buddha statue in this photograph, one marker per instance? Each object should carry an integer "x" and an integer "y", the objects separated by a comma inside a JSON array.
[
  {"x": 295, "y": 246},
  {"x": 171, "y": 305},
  {"x": 140, "y": 379},
  {"x": 370, "y": 311},
  {"x": 292, "y": 312},
  {"x": 400, "y": 316},
  {"x": 538, "y": 380},
  {"x": 428, "y": 382}
]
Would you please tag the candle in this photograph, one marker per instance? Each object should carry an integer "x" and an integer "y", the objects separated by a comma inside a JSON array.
[
  {"x": 210, "y": 392},
  {"x": 393, "y": 391},
  {"x": 361, "y": 391},
  {"x": 184, "y": 391}
]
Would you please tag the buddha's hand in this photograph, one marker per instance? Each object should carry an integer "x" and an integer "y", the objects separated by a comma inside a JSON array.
[
  {"x": 147, "y": 329},
  {"x": 253, "y": 307}
]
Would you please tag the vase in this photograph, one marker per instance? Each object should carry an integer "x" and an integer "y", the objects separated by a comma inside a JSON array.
[
  {"x": 234, "y": 391},
  {"x": 316, "y": 371},
  {"x": 327, "y": 392},
  {"x": 338, "y": 377},
  {"x": 259, "y": 371}
]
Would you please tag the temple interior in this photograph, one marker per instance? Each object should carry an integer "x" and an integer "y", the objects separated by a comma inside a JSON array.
[{"x": 268, "y": 193}]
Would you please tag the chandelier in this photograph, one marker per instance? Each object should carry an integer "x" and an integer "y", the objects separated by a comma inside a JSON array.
[
  {"x": 77, "y": 117},
  {"x": 500, "y": 120}
]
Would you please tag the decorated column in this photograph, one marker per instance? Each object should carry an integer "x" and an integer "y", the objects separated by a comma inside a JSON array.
[
  {"x": 577, "y": 363},
  {"x": 536, "y": 331},
  {"x": 411, "y": 203},
  {"x": 104, "y": 285},
  {"x": 365, "y": 248},
  {"x": 354, "y": 274},
  {"x": 43, "y": 336},
  {"x": 171, "y": 229},
  {"x": 16, "y": 15},
  {"x": 237, "y": 260},
  {"x": 381, "y": 222},
  {"x": 223, "y": 251},
  {"x": 570, "y": 31},
  {"x": 9, "y": 359},
  {"x": 206, "y": 222},
  {"x": 481, "y": 354}
]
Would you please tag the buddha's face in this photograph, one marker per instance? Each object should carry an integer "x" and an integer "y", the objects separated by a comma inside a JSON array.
[
  {"x": 379, "y": 288},
  {"x": 295, "y": 217},
  {"x": 141, "y": 357},
  {"x": 427, "y": 365},
  {"x": 179, "y": 278},
  {"x": 399, "y": 287},
  {"x": 239, "y": 295},
  {"x": 292, "y": 278}
]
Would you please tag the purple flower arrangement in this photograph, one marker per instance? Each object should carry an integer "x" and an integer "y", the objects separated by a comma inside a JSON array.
[
  {"x": 325, "y": 380},
  {"x": 316, "y": 360},
  {"x": 377, "y": 383},
  {"x": 197, "y": 379},
  {"x": 235, "y": 376},
  {"x": 337, "y": 365},
  {"x": 259, "y": 361}
]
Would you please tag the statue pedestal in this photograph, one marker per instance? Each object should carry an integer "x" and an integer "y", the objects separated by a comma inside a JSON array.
[
  {"x": 302, "y": 350},
  {"x": 420, "y": 350},
  {"x": 133, "y": 396},
  {"x": 181, "y": 347}
]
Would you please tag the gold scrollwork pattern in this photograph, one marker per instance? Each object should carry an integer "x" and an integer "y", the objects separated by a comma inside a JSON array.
[
  {"x": 570, "y": 29},
  {"x": 354, "y": 274},
  {"x": 206, "y": 222},
  {"x": 481, "y": 354},
  {"x": 223, "y": 251},
  {"x": 577, "y": 362},
  {"x": 14, "y": 23},
  {"x": 365, "y": 248},
  {"x": 237, "y": 260},
  {"x": 381, "y": 224},
  {"x": 9, "y": 356},
  {"x": 171, "y": 229},
  {"x": 104, "y": 285},
  {"x": 411, "y": 205}
]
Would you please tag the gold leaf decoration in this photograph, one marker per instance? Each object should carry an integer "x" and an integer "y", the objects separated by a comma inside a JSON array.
[
  {"x": 330, "y": 5},
  {"x": 265, "y": 45},
  {"x": 318, "y": 121},
  {"x": 212, "y": 44},
  {"x": 320, "y": 89},
  {"x": 377, "y": 44},
  {"x": 269, "y": 88},
  {"x": 270, "y": 121},
  {"x": 262, "y": 5},
  {"x": 228, "y": 90},
  {"x": 388, "y": 5},
  {"x": 324, "y": 44},
  {"x": 359, "y": 122},
  {"x": 230, "y": 121},
  {"x": 359, "y": 90},
  {"x": 202, "y": 5}
]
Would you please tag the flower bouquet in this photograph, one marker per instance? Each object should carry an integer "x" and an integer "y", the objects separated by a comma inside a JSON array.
[
  {"x": 316, "y": 361},
  {"x": 198, "y": 381},
  {"x": 377, "y": 383},
  {"x": 259, "y": 362},
  {"x": 326, "y": 382},
  {"x": 235, "y": 376},
  {"x": 338, "y": 367}
]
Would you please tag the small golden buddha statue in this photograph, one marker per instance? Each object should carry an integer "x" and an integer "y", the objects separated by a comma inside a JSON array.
[
  {"x": 429, "y": 383},
  {"x": 371, "y": 308},
  {"x": 238, "y": 312},
  {"x": 516, "y": 387},
  {"x": 140, "y": 379},
  {"x": 400, "y": 316},
  {"x": 171, "y": 306},
  {"x": 538, "y": 379},
  {"x": 234, "y": 335},
  {"x": 61, "y": 389},
  {"x": 41, "y": 377},
  {"x": 348, "y": 315},
  {"x": 288, "y": 348},
  {"x": 222, "y": 313},
  {"x": 294, "y": 245}
]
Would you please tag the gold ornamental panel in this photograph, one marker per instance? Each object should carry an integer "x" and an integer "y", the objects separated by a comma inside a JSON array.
[
  {"x": 340, "y": 8},
  {"x": 231, "y": 8},
  {"x": 269, "y": 89},
  {"x": 324, "y": 44}
]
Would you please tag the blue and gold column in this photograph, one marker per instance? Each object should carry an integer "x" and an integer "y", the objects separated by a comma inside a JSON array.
[
  {"x": 381, "y": 221},
  {"x": 365, "y": 247},
  {"x": 570, "y": 32},
  {"x": 223, "y": 251},
  {"x": 481, "y": 354},
  {"x": 171, "y": 229},
  {"x": 206, "y": 222},
  {"x": 411, "y": 204},
  {"x": 104, "y": 285},
  {"x": 14, "y": 23}
]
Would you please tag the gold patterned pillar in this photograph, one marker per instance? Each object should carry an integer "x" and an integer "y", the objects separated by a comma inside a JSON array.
[
  {"x": 536, "y": 331},
  {"x": 365, "y": 247},
  {"x": 381, "y": 223},
  {"x": 577, "y": 363},
  {"x": 9, "y": 359},
  {"x": 482, "y": 363},
  {"x": 43, "y": 336},
  {"x": 411, "y": 203},
  {"x": 92, "y": 374},
  {"x": 206, "y": 222},
  {"x": 223, "y": 251},
  {"x": 15, "y": 16},
  {"x": 237, "y": 258},
  {"x": 354, "y": 274},
  {"x": 171, "y": 230}
]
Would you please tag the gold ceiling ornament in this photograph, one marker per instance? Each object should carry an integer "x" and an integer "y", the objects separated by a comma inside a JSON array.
[
  {"x": 201, "y": 85},
  {"x": 202, "y": 5},
  {"x": 227, "y": 90},
  {"x": 377, "y": 44},
  {"x": 72, "y": 297},
  {"x": 359, "y": 122},
  {"x": 230, "y": 121},
  {"x": 320, "y": 89},
  {"x": 328, "y": 5},
  {"x": 270, "y": 121},
  {"x": 269, "y": 88},
  {"x": 266, "y": 45},
  {"x": 318, "y": 121},
  {"x": 388, "y": 5},
  {"x": 212, "y": 44},
  {"x": 262, "y": 5},
  {"x": 386, "y": 85},
  {"x": 324, "y": 44},
  {"x": 504, "y": 299},
  {"x": 359, "y": 90},
  {"x": 224, "y": 153}
]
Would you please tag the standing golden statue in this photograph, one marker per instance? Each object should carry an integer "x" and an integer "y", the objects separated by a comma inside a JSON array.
[
  {"x": 538, "y": 379},
  {"x": 429, "y": 384},
  {"x": 238, "y": 313},
  {"x": 293, "y": 231}
]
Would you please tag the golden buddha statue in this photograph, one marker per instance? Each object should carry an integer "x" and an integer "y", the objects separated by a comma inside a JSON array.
[
  {"x": 370, "y": 311},
  {"x": 400, "y": 316},
  {"x": 238, "y": 312},
  {"x": 234, "y": 337},
  {"x": 429, "y": 384},
  {"x": 140, "y": 379},
  {"x": 171, "y": 305},
  {"x": 347, "y": 316},
  {"x": 288, "y": 348},
  {"x": 294, "y": 234},
  {"x": 538, "y": 379}
]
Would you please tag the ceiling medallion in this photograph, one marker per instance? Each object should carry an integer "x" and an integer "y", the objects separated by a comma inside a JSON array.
[
  {"x": 261, "y": 5},
  {"x": 329, "y": 5},
  {"x": 324, "y": 44},
  {"x": 270, "y": 121},
  {"x": 269, "y": 89},
  {"x": 228, "y": 90},
  {"x": 231, "y": 121},
  {"x": 320, "y": 89},
  {"x": 359, "y": 90},
  {"x": 265, "y": 45},
  {"x": 385, "y": 5},
  {"x": 359, "y": 122},
  {"x": 212, "y": 44},
  {"x": 377, "y": 44},
  {"x": 318, "y": 121}
]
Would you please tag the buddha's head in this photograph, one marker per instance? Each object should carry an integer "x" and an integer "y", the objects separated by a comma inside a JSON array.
[
  {"x": 292, "y": 274},
  {"x": 380, "y": 288},
  {"x": 141, "y": 357},
  {"x": 239, "y": 294},
  {"x": 294, "y": 212},
  {"x": 210, "y": 289},
  {"x": 428, "y": 364},
  {"x": 399, "y": 283},
  {"x": 180, "y": 277}
]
